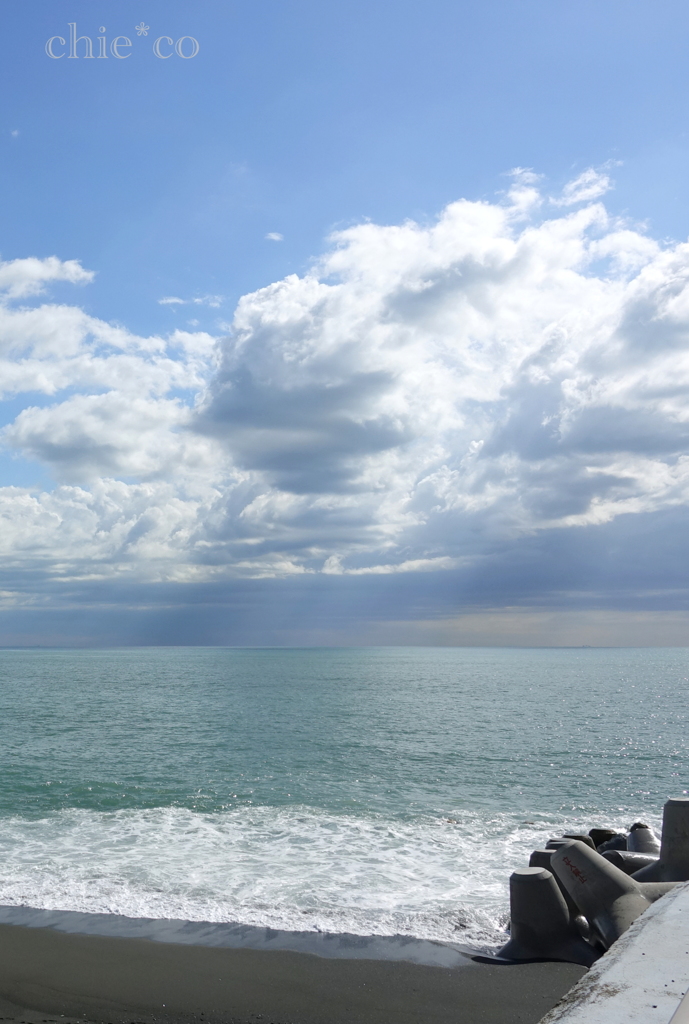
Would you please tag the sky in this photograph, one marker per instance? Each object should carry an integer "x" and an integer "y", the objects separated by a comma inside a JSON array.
[{"x": 345, "y": 323}]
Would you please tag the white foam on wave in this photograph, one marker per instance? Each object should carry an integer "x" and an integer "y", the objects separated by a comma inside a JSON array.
[{"x": 292, "y": 868}]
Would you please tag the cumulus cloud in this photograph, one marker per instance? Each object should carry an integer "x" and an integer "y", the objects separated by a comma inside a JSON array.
[
  {"x": 427, "y": 399},
  {"x": 479, "y": 374},
  {"x": 113, "y": 434},
  {"x": 52, "y": 348},
  {"x": 20, "y": 278}
]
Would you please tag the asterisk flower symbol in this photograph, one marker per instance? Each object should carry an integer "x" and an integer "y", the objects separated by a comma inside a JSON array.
[{"x": 142, "y": 29}]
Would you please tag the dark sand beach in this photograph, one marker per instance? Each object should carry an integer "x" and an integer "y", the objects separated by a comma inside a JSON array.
[{"x": 47, "y": 975}]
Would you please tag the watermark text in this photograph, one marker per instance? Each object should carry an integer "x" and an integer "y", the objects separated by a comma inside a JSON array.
[{"x": 76, "y": 47}]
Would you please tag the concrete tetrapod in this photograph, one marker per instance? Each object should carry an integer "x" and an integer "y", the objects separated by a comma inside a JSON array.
[
  {"x": 654, "y": 890},
  {"x": 601, "y": 835},
  {"x": 556, "y": 841},
  {"x": 541, "y": 926},
  {"x": 541, "y": 859},
  {"x": 629, "y": 862},
  {"x": 673, "y": 862},
  {"x": 609, "y": 900},
  {"x": 642, "y": 839},
  {"x": 584, "y": 839},
  {"x": 618, "y": 842}
]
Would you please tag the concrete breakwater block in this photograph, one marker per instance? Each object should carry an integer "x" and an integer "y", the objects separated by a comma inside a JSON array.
[
  {"x": 654, "y": 890},
  {"x": 628, "y": 861},
  {"x": 673, "y": 860},
  {"x": 642, "y": 839},
  {"x": 582, "y": 838},
  {"x": 541, "y": 859},
  {"x": 582, "y": 892},
  {"x": 601, "y": 835},
  {"x": 617, "y": 842},
  {"x": 541, "y": 926},
  {"x": 609, "y": 899},
  {"x": 554, "y": 843}
]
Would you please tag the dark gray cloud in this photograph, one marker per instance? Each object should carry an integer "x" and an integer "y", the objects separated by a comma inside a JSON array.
[
  {"x": 307, "y": 439},
  {"x": 635, "y": 566}
]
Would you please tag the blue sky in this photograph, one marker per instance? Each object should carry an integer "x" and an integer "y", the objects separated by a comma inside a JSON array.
[
  {"x": 400, "y": 418},
  {"x": 298, "y": 118}
]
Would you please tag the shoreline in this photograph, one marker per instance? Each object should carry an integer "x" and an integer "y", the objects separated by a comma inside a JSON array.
[
  {"x": 234, "y": 935},
  {"x": 55, "y": 967}
]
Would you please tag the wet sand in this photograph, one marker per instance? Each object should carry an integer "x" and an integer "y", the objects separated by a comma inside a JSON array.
[{"x": 49, "y": 975}]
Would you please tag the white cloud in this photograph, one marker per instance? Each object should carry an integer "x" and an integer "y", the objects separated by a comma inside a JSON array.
[
  {"x": 214, "y": 301},
  {"x": 590, "y": 185},
  {"x": 109, "y": 529},
  {"x": 426, "y": 397},
  {"x": 422, "y": 379},
  {"x": 21, "y": 278},
  {"x": 52, "y": 348},
  {"x": 115, "y": 434},
  {"x": 275, "y": 236}
]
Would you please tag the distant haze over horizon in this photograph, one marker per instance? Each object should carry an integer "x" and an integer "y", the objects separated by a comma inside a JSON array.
[{"x": 344, "y": 328}]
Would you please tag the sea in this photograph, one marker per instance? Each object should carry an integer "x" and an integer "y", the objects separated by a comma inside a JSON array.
[{"x": 369, "y": 791}]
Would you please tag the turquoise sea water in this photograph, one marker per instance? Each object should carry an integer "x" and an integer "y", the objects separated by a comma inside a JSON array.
[{"x": 368, "y": 790}]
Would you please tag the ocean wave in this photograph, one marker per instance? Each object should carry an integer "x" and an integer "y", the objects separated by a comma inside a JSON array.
[{"x": 292, "y": 868}]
